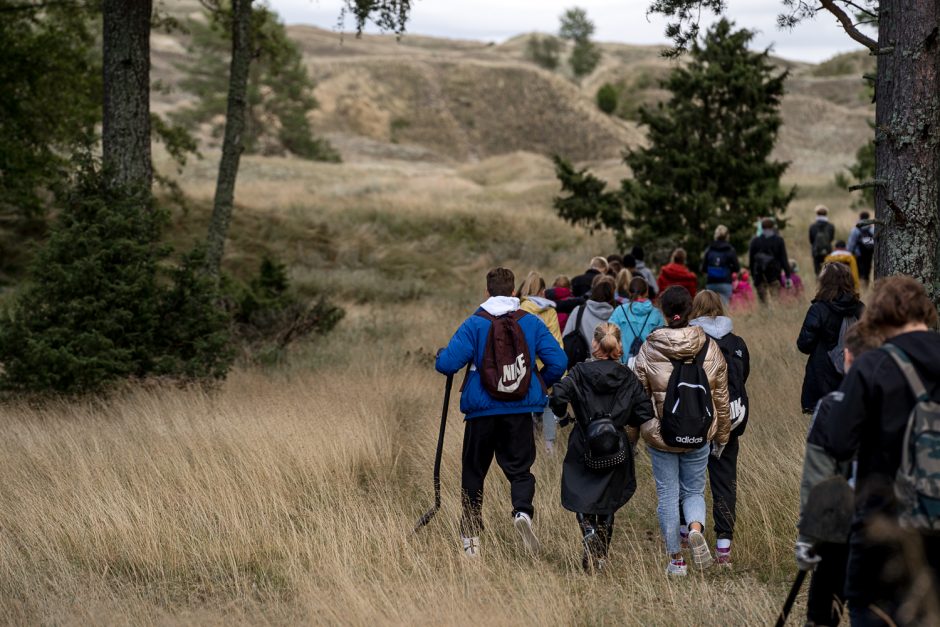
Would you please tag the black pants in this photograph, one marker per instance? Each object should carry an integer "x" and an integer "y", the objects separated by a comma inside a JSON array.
[
  {"x": 864, "y": 266},
  {"x": 511, "y": 440},
  {"x": 723, "y": 477},
  {"x": 826, "y": 602},
  {"x": 818, "y": 262},
  {"x": 602, "y": 525}
]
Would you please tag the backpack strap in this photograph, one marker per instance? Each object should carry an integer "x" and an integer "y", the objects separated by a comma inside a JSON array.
[
  {"x": 703, "y": 352},
  {"x": 909, "y": 372},
  {"x": 626, "y": 318},
  {"x": 580, "y": 316}
]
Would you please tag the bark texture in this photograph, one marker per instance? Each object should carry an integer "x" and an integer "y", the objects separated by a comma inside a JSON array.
[
  {"x": 125, "y": 136},
  {"x": 232, "y": 144},
  {"x": 907, "y": 141}
]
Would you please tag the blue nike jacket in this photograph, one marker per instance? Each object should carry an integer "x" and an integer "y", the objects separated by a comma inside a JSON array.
[{"x": 466, "y": 347}]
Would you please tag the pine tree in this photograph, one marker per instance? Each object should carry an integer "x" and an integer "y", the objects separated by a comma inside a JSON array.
[
  {"x": 707, "y": 162},
  {"x": 578, "y": 28}
]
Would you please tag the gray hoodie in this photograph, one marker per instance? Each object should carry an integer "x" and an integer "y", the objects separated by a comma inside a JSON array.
[
  {"x": 716, "y": 327},
  {"x": 595, "y": 313}
]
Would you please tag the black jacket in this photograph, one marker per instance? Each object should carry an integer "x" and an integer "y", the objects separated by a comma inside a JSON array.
[
  {"x": 581, "y": 284},
  {"x": 868, "y": 420},
  {"x": 814, "y": 230},
  {"x": 719, "y": 261},
  {"x": 606, "y": 384},
  {"x": 819, "y": 335},
  {"x": 771, "y": 247}
]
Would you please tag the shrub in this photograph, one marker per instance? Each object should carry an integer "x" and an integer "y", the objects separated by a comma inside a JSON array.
[
  {"x": 607, "y": 98},
  {"x": 545, "y": 51}
]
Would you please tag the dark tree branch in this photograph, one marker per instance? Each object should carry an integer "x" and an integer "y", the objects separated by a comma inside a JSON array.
[
  {"x": 860, "y": 9},
  {"x": 868, "y": 185},
  {"x": 847, "y": 25}
]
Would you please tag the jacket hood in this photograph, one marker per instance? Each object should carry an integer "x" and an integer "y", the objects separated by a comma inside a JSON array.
[
  {"x": 500, "y": 305},
  {"x": 638, "y": 307},
  {"x": 599, "y": 309},
  {"x": 676, "y": 271},
  {"x": 541, "y": 303},
  {"x": 845, "y": 305},
  {"x": 604, "y": 375},
  {"x": 721, "y": 246},
  {"x": 683, "y": 343},
  {"x": 716, "y": 327},
  {"x": 923, "y": 347}
]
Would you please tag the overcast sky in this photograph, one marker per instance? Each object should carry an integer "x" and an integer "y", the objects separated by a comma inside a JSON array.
[{"x": 616, "y": 20}]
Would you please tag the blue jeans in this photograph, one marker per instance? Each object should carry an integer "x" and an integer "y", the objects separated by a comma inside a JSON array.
[
  {"x": 680, "y": 479},
  {"x": 722, "y": 289},
  {"x": 549, "y": 425}
]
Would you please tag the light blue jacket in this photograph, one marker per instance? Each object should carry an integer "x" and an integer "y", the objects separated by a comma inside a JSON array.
[{"x": 636, "y": 319}]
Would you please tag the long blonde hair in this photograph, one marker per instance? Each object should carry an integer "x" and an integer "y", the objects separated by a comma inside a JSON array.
[
  {"x": 623, "y": 282},
  {"x": 607, "y": 344},
  {"x": 707, "y": 304},
  {"x": 532, "y": 286}
]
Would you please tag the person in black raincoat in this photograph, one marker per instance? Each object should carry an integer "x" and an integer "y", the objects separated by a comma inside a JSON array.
[
  {"x": 836, "y": 301},
  {"x": 598, "y": 476}
]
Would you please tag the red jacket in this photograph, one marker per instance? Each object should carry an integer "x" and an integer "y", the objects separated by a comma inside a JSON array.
[{"x": 676, "y": 274}]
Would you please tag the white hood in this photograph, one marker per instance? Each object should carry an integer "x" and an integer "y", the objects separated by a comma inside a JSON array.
[
  {"x": 716, "y": 327},
  {"x": 500, "y": 305},
  {"x": 543, "y": 303}
]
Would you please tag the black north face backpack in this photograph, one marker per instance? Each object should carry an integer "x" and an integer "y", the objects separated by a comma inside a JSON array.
[{"x": 687, "y": 410}]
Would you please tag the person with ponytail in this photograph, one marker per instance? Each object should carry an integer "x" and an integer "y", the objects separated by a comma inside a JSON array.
[
  {"x": 680, "y": 472},
  {"x": 636, "y": 319},
  {"x": 609, "y": 405}
]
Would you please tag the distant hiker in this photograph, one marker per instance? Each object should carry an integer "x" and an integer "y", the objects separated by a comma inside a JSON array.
[
  {"x": 742, "y": 295},
  {"x": 623, "y": 286},
  {"x": 676, "y": 273},
  {"x": 641, "y": 269},
  {"x": 835, "y": 308},
  {"x": 821, "y": 234},
  {"x": 708, "y": 312},
  {"x": 581, "y": 284},
  {"x": 827, "y": 559},
  {"x": 767, "y": 256},
  {"x": 614, "y": 265},
  {"x": 598, "y": 476},
  {"x": 560, "y": 294},
  {"x": 585, "y": 318},
  {"x": 685, "y": 375},
  {"x": 843, "y": 256},
  {"x": 862, "y": 245},
  {"x": 794, "y": 292},
  {"x": 887, "y": 417},
  {"x": 500, "y": 427},
  {"x": 533, "y": 301},
  {"x": 719, "y": 263},
  {"x": 637, "y": 319},
  {"x": 629, "y": 262}
]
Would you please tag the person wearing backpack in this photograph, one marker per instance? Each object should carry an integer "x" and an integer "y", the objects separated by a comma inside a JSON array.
[
  {"x": 585, "y": 318},
  {"x": 708, "y": 312},
  {"x": 636, "y": 319},
  {"x": 835, "y": 308},
  {"x": 499, "y": 344},
  {"x": 862, "y": 245},
  {"x": 719, "y": 264},
  {"x": 887, "y": 417},
  {"x": 824, "y": 557},
  {"x": 683, "y": 371},
  {"x": 598, "y": 476},
  {"x": 821, "y": 235},
  {"x": 767, "y": 258}
]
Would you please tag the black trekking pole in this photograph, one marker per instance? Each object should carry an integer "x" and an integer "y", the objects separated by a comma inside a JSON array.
[
  {"x": 428, "y": 515},
  {"x": 791, "y": 598}
]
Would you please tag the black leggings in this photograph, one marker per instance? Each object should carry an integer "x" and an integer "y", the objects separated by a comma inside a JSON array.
[{"x": 602, "y": 525}]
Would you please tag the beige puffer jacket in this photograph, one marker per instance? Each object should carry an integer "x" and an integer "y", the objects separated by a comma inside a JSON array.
[{"x": 653, "y": 369}]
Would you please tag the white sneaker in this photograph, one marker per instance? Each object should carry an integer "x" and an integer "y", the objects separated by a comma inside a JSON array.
[
  {"x": 523, "y": 524},
  {"x": 471, "y": 546},
  {"x": 677, "y": 568},
  {"x": 700, "y": 553}
]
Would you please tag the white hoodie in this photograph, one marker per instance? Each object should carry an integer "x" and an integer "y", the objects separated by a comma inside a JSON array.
[{"x": 500, "y": 305}]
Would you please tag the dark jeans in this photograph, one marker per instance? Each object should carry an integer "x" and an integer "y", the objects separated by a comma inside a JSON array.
[
  {"x": 511, "y": 440},
  {"x": 723, "y": 477},
  {"x": 826, "y": 602},
  {"x": 865, "y": 616},
  {"x": 864, "y": 266}
]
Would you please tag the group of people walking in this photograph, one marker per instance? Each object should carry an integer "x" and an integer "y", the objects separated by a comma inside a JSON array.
[{"x": 624, "y": 358}]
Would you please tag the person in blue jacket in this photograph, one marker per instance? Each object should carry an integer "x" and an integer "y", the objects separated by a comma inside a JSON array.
[
  {"x": 636, "y": 319},
  {"x": 499, "y": 428}
]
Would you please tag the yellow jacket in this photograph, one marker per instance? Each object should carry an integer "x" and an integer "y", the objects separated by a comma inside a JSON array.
[
  {"x": 654, "y": 367},
  {"x": 544, "y": 311},
  {"x": 844, "y": 256}
]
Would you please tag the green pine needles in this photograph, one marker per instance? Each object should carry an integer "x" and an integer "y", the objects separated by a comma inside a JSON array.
[{"x": 708, "y": 159}]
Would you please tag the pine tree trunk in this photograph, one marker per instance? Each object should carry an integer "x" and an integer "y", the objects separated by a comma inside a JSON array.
[
  {"x": 125, "y": 136},
  {"x": 232, "y": 144},
  {"x": 907, "y": 137}
]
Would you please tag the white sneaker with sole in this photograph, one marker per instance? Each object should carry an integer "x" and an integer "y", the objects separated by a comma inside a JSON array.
[
  {"x": 677, "y": 568},
  {"x": 700, "y": 553},
  {"x": 471, "y": 546},
  {"x": 523, "y": 524}
]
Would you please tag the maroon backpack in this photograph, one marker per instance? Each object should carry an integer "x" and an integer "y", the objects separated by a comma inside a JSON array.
[{"x": 506, "y": 371}]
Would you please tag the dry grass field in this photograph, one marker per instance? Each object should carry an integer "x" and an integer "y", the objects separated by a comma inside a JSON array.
[{"x": 288, "y": 495}]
